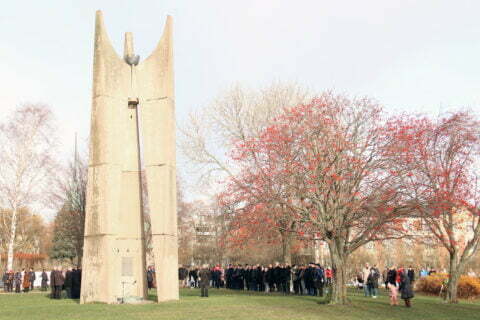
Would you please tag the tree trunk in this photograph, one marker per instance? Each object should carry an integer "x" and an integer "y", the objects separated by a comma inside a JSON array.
[
  {"x": 286, "y": 249},
  {"x": 339, "y": 259},
  {"x": 454, "y": 275},
  {"x": 11, "y": 240}
]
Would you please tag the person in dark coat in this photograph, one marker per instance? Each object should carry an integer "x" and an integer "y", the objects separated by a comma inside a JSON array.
[
  {"x": 309, "y": 282},
  {"x": 182, "y": 276},
  {"x": 205, "y": 275},
  {"x": 253, "y": 278},
  {"x": 277, "y": 277},
  {"x": 52, "y": 284},
  {"x": 235, "y": 275},
  {"x": 10, "y": 280},
  {"x": 319, "y": 279},
  {"x": 76, "y": 283},
  {"x": 286, "y": 277},
  {"x": 260, "y": 278},
  {"x": 248, "y": 276},
  {"x": 228, "y": 277},
  {"x": 5, "y": 279},
  {"x": 18, "y": 281},
  {"x": 301, "y": 277},
  {"x": 217, "y": 277},
  {"x": 392, "y": 286},
  {"x": 411, "y": 274},
  {"x": 238, "y": 276},
  {"x": 68, "y": 283},
  {"x": 58, "y": 280},
  {"x": 406, "y": 290},
  {"x": 150, "y": 277},
  {"x": 44, "y": 277},
  {"x": 270, "y": 279},
  {"x": 32, "y": 278},
  {"x": 384, "y": 277},
  {"x": 193, "y": 274},
  {"x": 241, "y": 279},
  {"x": 372, "y": 282}
]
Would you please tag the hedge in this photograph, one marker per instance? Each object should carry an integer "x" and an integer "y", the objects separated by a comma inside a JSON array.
[{"x": 468, "y": 287}]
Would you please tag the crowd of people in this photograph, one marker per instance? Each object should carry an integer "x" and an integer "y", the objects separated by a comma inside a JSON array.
[
  {"x": 20, "y": 281},
  {"x": 311, "y": 279},
  {"x": 395, "y": 279},
  {"x": 58, "y": 280},
  {"x": 297, "y": 279}
]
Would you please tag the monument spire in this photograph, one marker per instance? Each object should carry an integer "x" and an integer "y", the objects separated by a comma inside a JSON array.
[{"x": 128, "y": 46}]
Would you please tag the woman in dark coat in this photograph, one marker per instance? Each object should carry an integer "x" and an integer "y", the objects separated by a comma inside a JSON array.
[{"x": 406, "y": 288}]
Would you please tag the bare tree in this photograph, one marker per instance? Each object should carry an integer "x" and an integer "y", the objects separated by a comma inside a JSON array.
[
  {"x": 27, "y": 144},
  {"x": 233, "y": 117},
  {"x": 30, "y": 232}
]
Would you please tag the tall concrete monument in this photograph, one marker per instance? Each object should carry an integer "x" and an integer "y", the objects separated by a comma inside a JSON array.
[{"x": 133, "y": 122}]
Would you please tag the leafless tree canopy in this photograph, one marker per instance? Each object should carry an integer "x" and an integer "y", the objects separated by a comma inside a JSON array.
[
  {"x": 234, "y": 116},
  {"x": 27, "y": 152}
]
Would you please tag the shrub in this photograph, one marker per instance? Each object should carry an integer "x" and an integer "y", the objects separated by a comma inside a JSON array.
[
  {"x": 468, "y": 287},
  {"x": 431, "y": 284}
]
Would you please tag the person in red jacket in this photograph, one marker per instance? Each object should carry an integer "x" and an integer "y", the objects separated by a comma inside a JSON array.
[{"x": 328, "y": 275}]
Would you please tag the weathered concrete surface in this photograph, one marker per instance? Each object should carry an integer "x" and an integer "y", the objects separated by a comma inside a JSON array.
[
  {"x": 155, "y": 85},
  {"x": 114, "y": 253}
]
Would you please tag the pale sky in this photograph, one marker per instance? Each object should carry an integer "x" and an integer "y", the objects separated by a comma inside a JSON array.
[{"x": 411, "y": 55}]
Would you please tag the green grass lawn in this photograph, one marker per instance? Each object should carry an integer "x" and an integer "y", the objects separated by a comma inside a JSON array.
[{"x": 223, "y": 304}]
